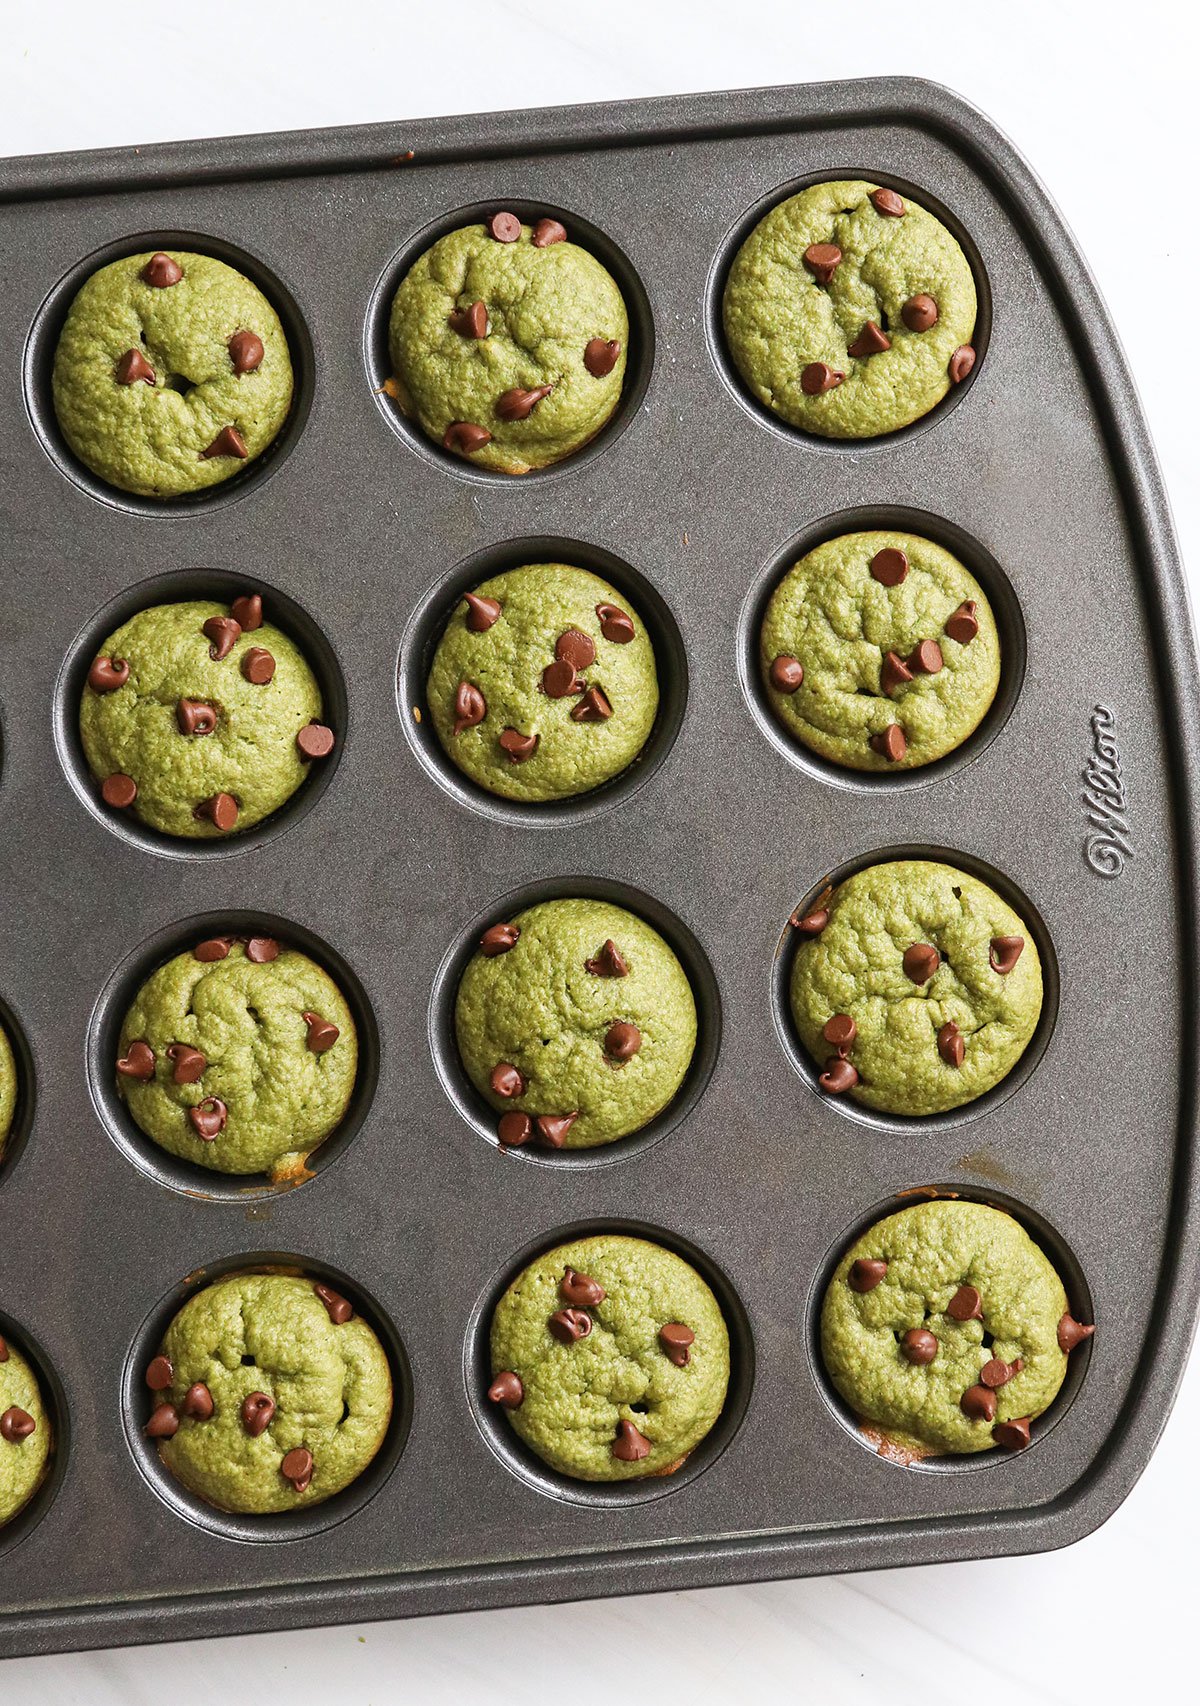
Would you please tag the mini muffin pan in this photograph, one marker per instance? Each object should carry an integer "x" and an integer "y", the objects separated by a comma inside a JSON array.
[{"x": 1074, "y": 797}]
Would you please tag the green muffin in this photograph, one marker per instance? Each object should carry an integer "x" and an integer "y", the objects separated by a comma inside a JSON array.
[
  {"x": 8, "y": 1089},
  {"x": 849, "y": 310},
  {"x": 611, "y": 1357},
  {"x": 239, "y": 1056},
  {"x": 508, "y": 344},
  {"x": 946, "y": 1329},
  {"x": 879, "y": 651},
  {"x": 916, "y": 986},
  {"x": 201, "y": 717},
  {"x": 543, "y": 685},
  {"x": 25, "y": 1433},
  {"x": 577, "y": 1022},
  {"x": 269, "y": 1394},
  {"x": 171, "y": 373}
]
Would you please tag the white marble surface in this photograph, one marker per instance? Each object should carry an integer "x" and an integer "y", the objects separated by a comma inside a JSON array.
[{"x": 1101, "y": 99}]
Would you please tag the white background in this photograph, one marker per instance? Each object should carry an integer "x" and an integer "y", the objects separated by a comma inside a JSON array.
[{"x": 1102, "y": 99}]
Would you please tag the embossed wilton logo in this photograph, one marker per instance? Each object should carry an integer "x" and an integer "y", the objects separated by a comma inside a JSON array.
[{"x": 1108, "y": 846}]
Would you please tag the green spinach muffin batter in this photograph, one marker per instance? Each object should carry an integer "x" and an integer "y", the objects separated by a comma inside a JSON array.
[
  {"x": 879, "y": 651},
  {"x": 239, "y": 1056},
  {"x": 8, "y": 1088},
  {"x": 201, "y": 717},
  {"x": 610, "y": 1356},
  {"x": 849, "y": 310},
  {"x": 171, "y": 373},
  {"x": 577, "y": 1022},
  {"x": 269, "y": 1393},
  {"x": 508, "y": 344},
  {"x": 916, "y": 986},
  {"x": 946, "y": 1329},
  {"x": 25, "y": 1433},
  {"x": 543, "y": 685}
]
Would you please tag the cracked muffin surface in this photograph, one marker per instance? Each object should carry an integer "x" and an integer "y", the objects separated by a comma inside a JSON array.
[
  {"x": 25, "y": 1432},
  {"x": 240, "y": 1061},
  {"x": 520, "y": 337},
  {"x": 610, "y": 1357},
  {"x": 581, "y": 1029},
  {"x": 849, "y": 310},
  {"x": 889, "y": 632},
  {"x": 915, "y": 987},
  {"x": 946, "y": 1327},
  {"x": 269, "y": 1393},
  {"x": 172, "y": 372}
]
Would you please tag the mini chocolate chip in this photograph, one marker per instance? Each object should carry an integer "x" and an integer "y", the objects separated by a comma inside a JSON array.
[
  {"x": 519, "y": 747},
  {"x": 258, "y": 666},
  {"x": 297, "y": 1467},
  {"x": 963, "y": 624},
  {"x": 995, "y": 1373},
  {"x": 507, "y": 1389},
  {"x": 579, "y": 650},
  {"x": 894, "y": 673},
  {"x": 630, "y": 1446},
  {"x": 919, "y": 1346},
  {"x": 118, "y": 790},
  {"x": 615, "y": 625},
  {"x": 208, "y": 1118},
  {"x": 506, "y": 1080},
  {"x": 889, "y": 566},
  {"x": 470, "y": 707},
  {"x": 919, "y": 312},
  {"x": 498, "y": 939},
  {"x": 1071, "y": 1333},
  {"x": 247, "y": 611},
  {"x": 870, "y": 341},
  {"x": 215, "y": 948},
  {"x": 787, "y": 674},
  {"x": 482, "y": 613},
  {"x": 514, "y": 1129},
  {"x": 609, "y": 962},
  {"x": 3, "y": 1348},
  {"x": 840, "y": 1031},
  {"x": 888, "y": 203},
  {"x": 228, "y": 442},
  {"x": 594, "y": 707},
  {"x": 600, "y": 356},
  {"x": 677, "y": 1339},
  {"x": 163, "y": 1423},
  {"x": 465, "y": 437},
  {"x": 810, "y": 923},
  {"x": 553, "y": 1128},
  {"x": 322, "y": 1033},
  {"x": 548, "y": 231},
  {"x": 338, "y": 1308},
  {"x": 261, "y": 950},
  {"x": 1004, "y": 952},
  {"x": 133, "y": 367},
  {"x": 314, "y": 740},
  {"x": 890, "y": 743},
  {"x": 569, "y": 1325},
  {"x": 559, "y": 680},
  {"x": 220, "y": 809},
  {"x": 189, "y": 1063},
  {"x": 245, "y": 352},
  {"x": 925, "y": 657},
  {"x": 838, "y": 1077},
  {"x": 965, "y": 1305},
  {"x": 504, "y": 227},
  {"x": 950, "y": 1044},
  {"x": 819, "y": 377},
  {"x": 257, "y": 1411},
  {"x": 822, "y": 260},
  {"x": 198, "y": 1402},
  {"x": 161, "y": 271},
  {"x": 223, "y": 633},
  {"x": 978, "y": 1404},
  {"x": 622, "y": 1040},
  {"x": 518, "y": 404},
  {"x": 195, "y": 717},
  {"x": 137, "y": 1061},
  {"x": 920, "y": 961},
  {"x": 1013, "y": 1435},
  {"x": 470, "y": 322},
  {"x": 581, "y": 1290},
  {"x": 866, "y": 1273},
  {"x": 160, "y": 1372},
  {"x": 107, "y": 674},
  {"x": 961, "y": 363}
]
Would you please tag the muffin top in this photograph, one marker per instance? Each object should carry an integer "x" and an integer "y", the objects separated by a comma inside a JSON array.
[
  {"x": 543, "y": 684},
  {"x": 201, "y": 722},
  {"x": 508, "y": 343},
  {"x": 171, "y": 373},
  {"x": 879, "y": 651},
  {"x": 239, "y": 1056},
  {"x": 268, "y": 1393},
  {"x": 849, "y": 310},
  {"x": 25, "y": 1435},
  {"x": 8, "y": 1088},
  {"x": 915, "y": 986},
  {"x": 610, "y": 1356},
  {"x": 947, "y": 1328},
  {"x": 576, "y": 1021}
]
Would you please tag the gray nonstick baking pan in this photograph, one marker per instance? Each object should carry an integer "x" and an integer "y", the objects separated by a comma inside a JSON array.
[{"x": 1076, "y": 799}]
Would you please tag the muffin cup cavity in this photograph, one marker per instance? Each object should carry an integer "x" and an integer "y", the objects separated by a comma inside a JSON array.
[
  {"x": 103, "y": 1047},
  {"x": 222, "y": 586},
  {"x": 425, "y": 629},
  {"x": 21, "y": 1125},
  {"x": 520, "y": 1460},
  {"x": 54, "y": 1403},
  {"x": 39, "y": 362}
]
